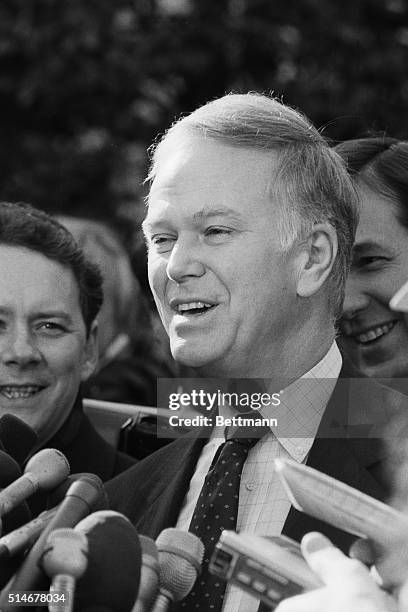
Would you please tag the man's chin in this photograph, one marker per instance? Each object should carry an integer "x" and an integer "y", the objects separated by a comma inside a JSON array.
[{"x": 192, "y": 354}]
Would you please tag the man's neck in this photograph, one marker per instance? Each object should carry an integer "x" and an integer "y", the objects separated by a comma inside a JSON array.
[{"x": 285, "y": 363}]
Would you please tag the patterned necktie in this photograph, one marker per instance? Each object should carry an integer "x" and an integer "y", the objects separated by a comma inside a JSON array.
[{"x": 216, "y": 510}]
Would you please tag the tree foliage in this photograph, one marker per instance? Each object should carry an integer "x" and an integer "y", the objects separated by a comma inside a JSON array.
[{"x": 86, "y": 85}]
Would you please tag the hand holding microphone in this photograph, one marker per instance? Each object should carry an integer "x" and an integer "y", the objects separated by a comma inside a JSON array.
[{"x": 348, "y": 586}]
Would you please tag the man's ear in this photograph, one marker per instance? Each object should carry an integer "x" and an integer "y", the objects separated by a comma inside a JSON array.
[
  {"x": 316, "y": 258},
  {"x": 91, "y": 352}
]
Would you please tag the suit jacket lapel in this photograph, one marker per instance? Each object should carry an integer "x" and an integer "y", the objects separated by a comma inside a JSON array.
[
  {"x": 350, "y": 459},
  {"x": 166, "y": 485}
]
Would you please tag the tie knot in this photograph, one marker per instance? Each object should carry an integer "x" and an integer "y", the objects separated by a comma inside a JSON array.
[
  {"x": 247, "y": 443},
  {"x": 246, "y": 433}
]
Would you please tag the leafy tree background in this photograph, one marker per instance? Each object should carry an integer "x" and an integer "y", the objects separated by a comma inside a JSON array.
[{"x": 86, "y": 85}]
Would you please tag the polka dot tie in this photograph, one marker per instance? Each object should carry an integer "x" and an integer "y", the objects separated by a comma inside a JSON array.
[{"x": 216, "y": 510}]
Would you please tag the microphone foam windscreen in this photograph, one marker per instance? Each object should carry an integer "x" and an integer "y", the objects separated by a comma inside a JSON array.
[
  {"x": 180, "y": 557},
  {"x": 111, "y": 579},
  {"x": 17, "y": 437},
  {"x": 57, "y": 495}
]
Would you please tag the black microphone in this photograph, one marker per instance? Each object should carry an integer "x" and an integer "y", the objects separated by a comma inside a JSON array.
[
  {"x": 180, "y": 557},
  {"x": 17, "y": 437},
  {"x": 149, "y": 575},
  {"x": 77, "y": 503},
  {"x": 45, "y": 470},
  {"x": 111, "y": 579}
]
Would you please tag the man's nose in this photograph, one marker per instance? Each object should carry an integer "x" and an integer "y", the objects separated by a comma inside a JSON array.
[
  {"x": 19, "y": 348},
  {"x": 185, "y": 261},
  {"x": 355, "y": 299}
]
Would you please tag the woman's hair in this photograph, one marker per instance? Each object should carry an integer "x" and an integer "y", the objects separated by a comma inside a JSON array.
[{"x": 381, "y": 163}]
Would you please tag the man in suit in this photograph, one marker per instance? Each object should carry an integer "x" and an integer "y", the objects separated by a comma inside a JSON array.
[
  {"x": 50, "y": 295},
  {"x": 250, "y": 224}
]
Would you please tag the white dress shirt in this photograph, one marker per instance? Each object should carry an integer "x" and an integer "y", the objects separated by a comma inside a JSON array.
[{"x": 263, "y": 503}]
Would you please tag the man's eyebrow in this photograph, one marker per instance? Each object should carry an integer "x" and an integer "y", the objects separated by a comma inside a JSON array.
[
  {"x": 52, "y": 314},
  {"x": 201, "y": 215},
  {"x": 41, "y": 314},
  {"x": 208, "y": 213}
]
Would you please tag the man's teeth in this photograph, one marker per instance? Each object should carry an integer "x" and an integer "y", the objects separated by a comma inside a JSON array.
[
  {"x": 373, "y": 334},
  {"x": 18, "y": 392},
  {"x": 192, "y": 305}
]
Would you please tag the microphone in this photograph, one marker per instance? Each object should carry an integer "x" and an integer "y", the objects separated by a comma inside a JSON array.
[
  {"x": 78, "y": 502},
  {"x": 64, "y": 559},
  {"x": 10, "y": 471},
  {"x": 56, "y": 496},
  {"x": 149, "y": 575},
  {"x": 17, "y": 437},
  {"x": 44, "y": 470},
  {"x": 20, "y": 539},
  {"x": 111, "y": 579},
  {"x": 180, "y": 557}
]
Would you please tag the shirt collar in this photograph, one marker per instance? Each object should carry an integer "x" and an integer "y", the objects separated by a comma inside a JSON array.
[
  {"x": 303, "y": 403},
  {"x": 302, "y": 406}
]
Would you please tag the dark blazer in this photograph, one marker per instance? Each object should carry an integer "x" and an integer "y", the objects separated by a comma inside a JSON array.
[
  {"x": 151, "y": 493},
  {"x": 85, "y": 450}
]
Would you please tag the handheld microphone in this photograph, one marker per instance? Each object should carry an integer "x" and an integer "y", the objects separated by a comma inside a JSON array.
[
  {"x": 180, "y": 557},
  {"x": 149, "y": 575},
  {"x": 111, "y": 579},
  {"x": 10, "y": 471},
  {"x": 17, "y": 437},
  {"x": 56, "y": 496},
  {"x": 20, "y": 539},
  {"x": 44, "y": 470},
  {"x": 78, "y": 502},
  {"x": 64, "y": 559}
]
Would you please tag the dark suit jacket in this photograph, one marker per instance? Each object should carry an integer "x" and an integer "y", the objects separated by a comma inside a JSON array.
[
  {"x": 151, "y": 493},
  {"x": 85, "y": 450}
]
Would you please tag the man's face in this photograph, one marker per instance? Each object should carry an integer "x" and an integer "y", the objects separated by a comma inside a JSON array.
[
  {"x": 225, "y": 291},
  {"x": 375, "y": 337},
  {"x": 44, "y": 351}
]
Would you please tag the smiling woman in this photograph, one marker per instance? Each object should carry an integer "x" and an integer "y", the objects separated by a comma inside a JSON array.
[{"x": 374, "y": 336}]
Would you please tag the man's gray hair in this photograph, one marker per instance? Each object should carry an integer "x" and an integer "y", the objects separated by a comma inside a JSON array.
[{"x": 311, "y": 183}]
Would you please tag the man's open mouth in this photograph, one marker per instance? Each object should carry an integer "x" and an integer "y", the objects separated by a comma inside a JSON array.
[
  {"x": 19, "y": 391},
  {"x": 374, "y": 333},
  {"x": 194, "y": 308}
]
